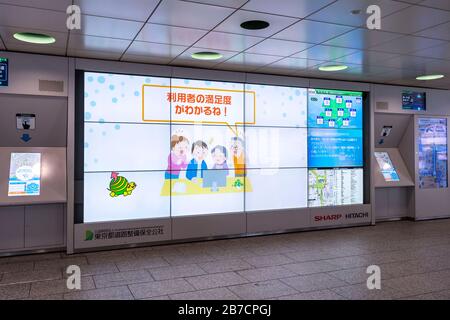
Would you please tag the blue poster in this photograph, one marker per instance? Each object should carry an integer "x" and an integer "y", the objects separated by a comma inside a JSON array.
[{"x": 330, "y": 148}]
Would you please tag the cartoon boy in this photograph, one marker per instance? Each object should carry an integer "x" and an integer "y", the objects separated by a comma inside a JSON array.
[
  {"x": 238, "y": 153},
  {"x": 219, "y": 155},
  {"x": 177, "y": 159},
  {"x": 197, "y": 164}
]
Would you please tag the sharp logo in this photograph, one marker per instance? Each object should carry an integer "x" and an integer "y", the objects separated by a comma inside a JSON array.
[
  {"x": 336, "y": 217},
  {"x": 328, "y": 217}
]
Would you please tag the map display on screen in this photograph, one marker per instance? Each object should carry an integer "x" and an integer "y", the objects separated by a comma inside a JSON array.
[{"x": 335, "y": 187}]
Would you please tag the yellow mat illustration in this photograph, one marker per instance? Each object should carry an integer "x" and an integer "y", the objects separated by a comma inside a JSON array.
[{"x": 188, "y": 187}]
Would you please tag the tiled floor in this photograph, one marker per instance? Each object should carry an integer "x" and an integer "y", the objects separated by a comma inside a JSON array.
[{"x": 414, "y": 258}]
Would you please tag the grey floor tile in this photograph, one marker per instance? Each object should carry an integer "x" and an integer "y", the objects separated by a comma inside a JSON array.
[
  {"x": 417, "y": 284},
  {"x": 268, "y": 249},
  {"x": 141, "y": 263},
  {"x": 54, "y": 287},
  {"x": 94, "y": 269},
  {"x": 215, "y": 280},
  {"x": 262, "y": 290},
  {"x": 50, "y": 297},
  {"x": 350, "y": 262},
  {"x": 165, "y": 273},
  {"x": 313, "y": 282},
  {"x": 30, "y": 258},
  {"x": 268, "y": 260},
  {"x": 404, "y": 268},
  {"x": 113, "y": 293},
  {"x": 112, "y": 257},
  {"x": 225, "y": 265},
  {"x": 14, "y": 291},
  {"x": 314, "y": 295},
  {"x": 227, "y": 254},
  {"x": 439, "y": 295},
  {"x": 31, "y": 276},
  {"x": 361, "y": 292},
  {"x": 59, "y": 263},
  {"x": 16, "y": 267},
  {"x": 121, "y": 278},
  {"x": 157, "y": 298},
  {"x": 304, "y": 256},
  {"x": 183, "y": 259},
  {"x": 356, "y": 275},
  {"x": 265, "y": 273},
  {"x": 209, "y": 294},
  {"x": 160, "y": 288},
  {"x": 310, "y": 267}
]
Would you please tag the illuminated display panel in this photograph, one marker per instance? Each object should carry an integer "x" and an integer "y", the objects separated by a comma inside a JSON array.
[
  {"x": 335, "y": 187},
  {"x": 386, "y": 167},
  {"x": 24, "y": 174},
  {"x": 432, "y": 145},
  {"x": 412, "y": 100},
  {"x": 160, "y": 147}
]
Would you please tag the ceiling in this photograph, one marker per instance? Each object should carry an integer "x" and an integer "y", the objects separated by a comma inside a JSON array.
[{"x": 303, "y": 34}]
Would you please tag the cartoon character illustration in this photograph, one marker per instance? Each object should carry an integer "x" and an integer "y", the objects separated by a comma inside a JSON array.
[
  {"x": 238, "y": 184},
  {"x": 120, "y": 186},
  {"x": 177, "y": 159},
  {"x": 238, "y": 153},
  {"x": 219, "y": 155},
  {"x": 197, "y": 165}
]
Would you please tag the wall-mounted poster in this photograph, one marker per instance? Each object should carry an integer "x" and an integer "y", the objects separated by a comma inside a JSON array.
[
  {"x": 432, "y": 145},
  {"x": 386, "y": 167},
  {"x": 24, "y": 174}
]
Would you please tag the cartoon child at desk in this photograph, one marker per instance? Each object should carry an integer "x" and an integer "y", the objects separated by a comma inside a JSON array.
[
  {"x": 219, "y": 155},
  {"x": 177, "y": 159},
  {"x": 197, "y": 165}
]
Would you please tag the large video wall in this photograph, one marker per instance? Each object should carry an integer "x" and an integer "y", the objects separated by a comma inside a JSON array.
[{"x": 160, "y": 147}]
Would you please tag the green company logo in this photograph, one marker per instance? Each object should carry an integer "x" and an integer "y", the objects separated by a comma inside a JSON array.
[{"x": 89, "y": 235}]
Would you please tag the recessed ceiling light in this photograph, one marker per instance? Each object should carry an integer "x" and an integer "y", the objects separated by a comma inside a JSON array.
[
  {"x": 338, "y": 67},
  {"x": 206, "y": 55},
  {"x": 430, "y": 77},
  {"x": 254, "y": 25},
  {"x": 37, "y": 38}
]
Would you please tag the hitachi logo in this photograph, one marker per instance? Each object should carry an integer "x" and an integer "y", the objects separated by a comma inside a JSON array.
[
  {"x": 357, "y": 215},
  {"x": 328, "y": 217}
]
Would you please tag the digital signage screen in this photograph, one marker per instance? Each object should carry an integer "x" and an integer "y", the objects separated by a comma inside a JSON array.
[
  {"x": 432, "y": 146},
  {"x": 386, "y": 167},
  {"x": 24, "y": 174},
  {"x": 164, "y": 147},
  {"x": 334, "y": 187},
  {"x": 4, "y": 72},
  {"x": 335, "y": 109},
  {"x": 412, "y": 100}
]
